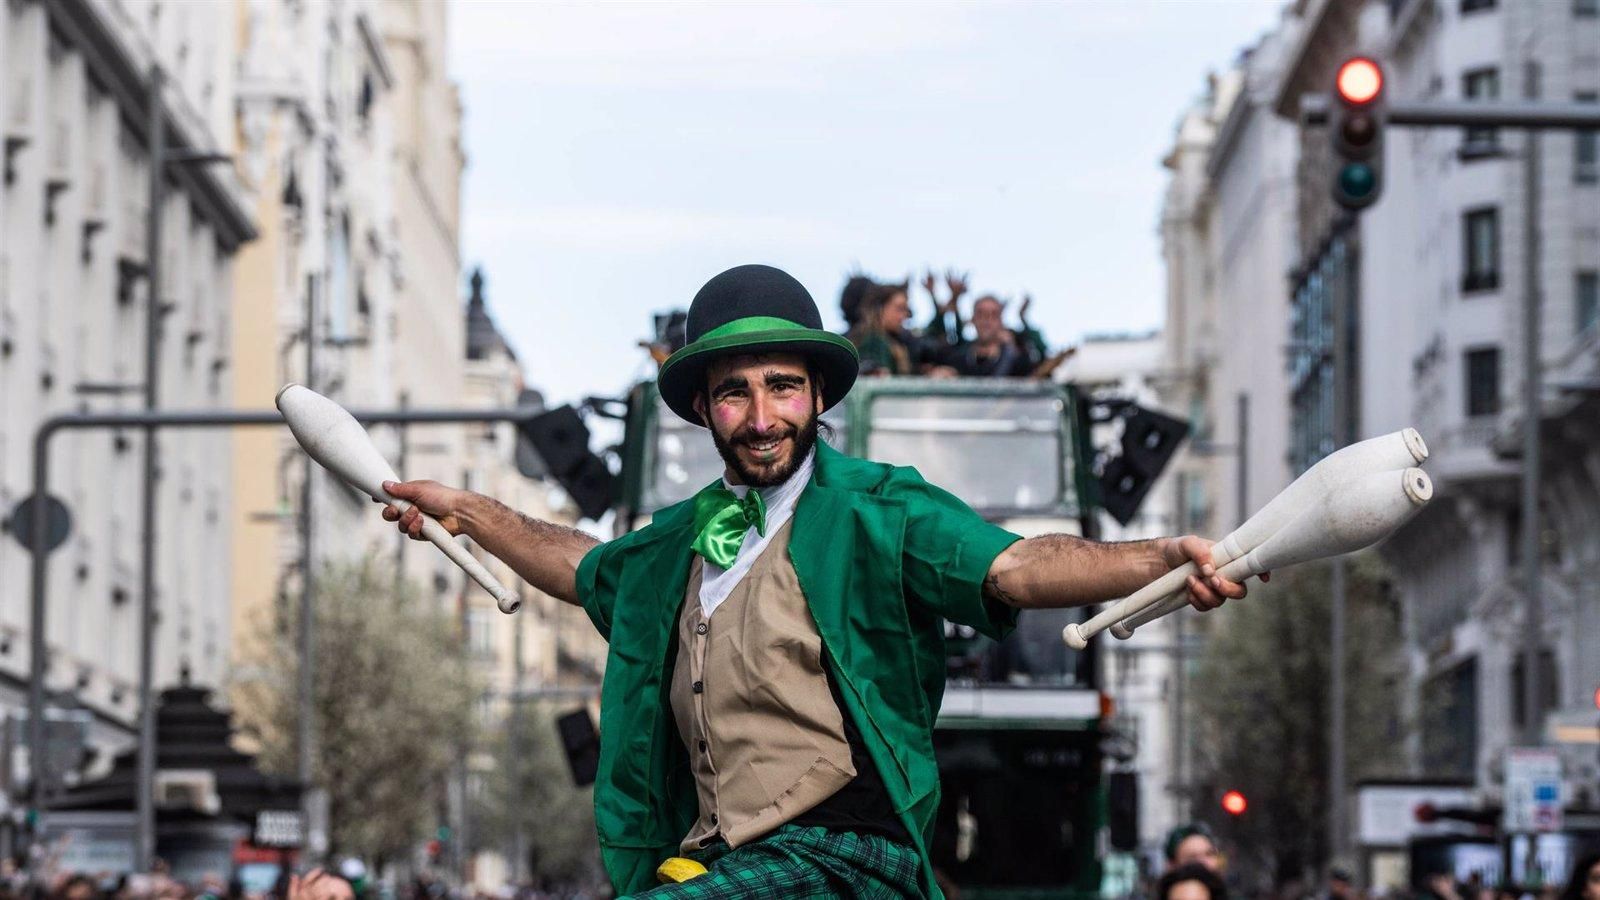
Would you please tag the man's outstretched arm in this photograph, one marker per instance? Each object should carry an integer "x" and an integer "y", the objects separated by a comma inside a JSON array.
[
  {"x": 1057, "y": 570},
  {"x": 544, "y": 554}
]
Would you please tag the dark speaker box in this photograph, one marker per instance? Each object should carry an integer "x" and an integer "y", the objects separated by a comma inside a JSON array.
[{"x": 581, "y": 742}]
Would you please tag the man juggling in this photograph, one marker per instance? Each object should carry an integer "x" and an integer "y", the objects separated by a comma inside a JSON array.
[{"x": 776, "y": 645}]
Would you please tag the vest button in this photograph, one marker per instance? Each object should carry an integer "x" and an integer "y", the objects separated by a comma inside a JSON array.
[
  {"x": 702, "y": 746},
  {"x": 699, "y": 687},
  {"x": 702, "y": 628},
  {"x": 713, "y": 818}
]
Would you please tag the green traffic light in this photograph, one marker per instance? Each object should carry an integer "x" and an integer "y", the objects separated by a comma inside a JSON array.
[{"x": 1357, "y": 180}]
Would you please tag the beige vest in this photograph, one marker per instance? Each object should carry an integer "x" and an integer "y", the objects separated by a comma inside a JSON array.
[{"x": 766, "y": 740}]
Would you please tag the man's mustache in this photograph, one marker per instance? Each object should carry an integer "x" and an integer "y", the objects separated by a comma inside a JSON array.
[{"x": 748, "y": 437}]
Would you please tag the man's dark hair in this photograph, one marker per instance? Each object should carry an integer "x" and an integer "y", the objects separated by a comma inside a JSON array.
[
  {"x": 78, "y": 880},
  {"x": 879, "y": 295},
  {"x": 1178, "y": 835},
  {"x": 1580, "y": 876},
  {"x": 1192, "y": 872},
  {"x": 850, "y": 298}
]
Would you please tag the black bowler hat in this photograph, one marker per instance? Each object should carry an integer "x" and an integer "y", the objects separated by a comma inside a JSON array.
[{"x": 754, "y": 309}]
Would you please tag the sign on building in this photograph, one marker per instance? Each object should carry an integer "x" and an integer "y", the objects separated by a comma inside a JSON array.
[
  {"x": 1533, "y": 790},
  {"x": 278, "y": 828}
]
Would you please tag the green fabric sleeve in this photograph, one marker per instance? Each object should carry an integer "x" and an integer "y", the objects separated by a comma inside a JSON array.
[
  {"x": 948, "y": 550},
  {"x": 597, "y": 588}
]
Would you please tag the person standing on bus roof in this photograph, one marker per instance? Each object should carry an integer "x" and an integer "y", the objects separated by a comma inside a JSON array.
[{"x": 776, "y": 647}]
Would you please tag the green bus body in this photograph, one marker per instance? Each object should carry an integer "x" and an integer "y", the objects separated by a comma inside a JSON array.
[{"x": 1018, "y": 735}]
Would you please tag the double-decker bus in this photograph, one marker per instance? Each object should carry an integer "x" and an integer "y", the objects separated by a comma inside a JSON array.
[{"x": 1019, "y": 732}]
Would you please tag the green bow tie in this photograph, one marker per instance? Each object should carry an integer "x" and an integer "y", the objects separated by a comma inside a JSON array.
[{"x": 721, "y": 519}]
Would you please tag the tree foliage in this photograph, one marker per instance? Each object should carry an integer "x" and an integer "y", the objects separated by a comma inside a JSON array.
[
  {"x": 531, "y": 787},
  {"x": 392, "y": 700},
  {"x": 1262, "y": 712}
]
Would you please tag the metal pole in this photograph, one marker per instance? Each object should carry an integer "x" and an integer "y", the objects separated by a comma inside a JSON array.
[
  {"x": 305, "y": 685},
  {"x": 1242, "y": 460},
  {"x": 1532, "y": 374},
  {"x": 1178, "y": 786},
  {"x": 515, "y": 763},
  {"x": 400, "y": 467},
  {"x": 145, "y": 832},
  {"x": 1343, "y": 301},
  {"x": 36, "y": 633},
  {"x": 464, "y": 747},
  {"x": 38, "y": 617}
]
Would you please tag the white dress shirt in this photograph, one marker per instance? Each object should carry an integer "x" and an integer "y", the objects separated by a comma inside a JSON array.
[{"x": 716, "y": 582}]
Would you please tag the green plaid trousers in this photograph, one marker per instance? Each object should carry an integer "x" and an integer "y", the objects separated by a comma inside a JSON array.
[{"x": 797, "y": 861}]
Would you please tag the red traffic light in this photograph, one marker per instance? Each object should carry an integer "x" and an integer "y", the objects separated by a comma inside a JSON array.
[
  {"x": 1425, "y": 812},
  {"x": 1234, "y": 803},
  {"x": 1359, "y": 81}
]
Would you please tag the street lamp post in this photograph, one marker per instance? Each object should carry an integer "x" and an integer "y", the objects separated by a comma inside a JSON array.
[
  {"x": 150, "y": 421},
  {"x": 145, "y": 830}
]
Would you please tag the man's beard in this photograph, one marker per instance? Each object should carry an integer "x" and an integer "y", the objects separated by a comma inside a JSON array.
[{"x": 805, "y": 438}]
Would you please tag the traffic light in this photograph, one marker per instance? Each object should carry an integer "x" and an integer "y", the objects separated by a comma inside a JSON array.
[
  {"x": 1234, "y": 804},
  {"x": 1122, "y": 810},
  {"x": 1355, "y": 121}
]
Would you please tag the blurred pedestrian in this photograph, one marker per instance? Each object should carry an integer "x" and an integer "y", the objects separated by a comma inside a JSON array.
[
  {"x": 76, "y": 887},
  {"x": 319, "y": 884},
  {"x": 1585, "y": 881},
  {"x": 1191, "y": 882},
  {"x": 1340, "y": 885},
  {"x": 1192, "y": 844}
]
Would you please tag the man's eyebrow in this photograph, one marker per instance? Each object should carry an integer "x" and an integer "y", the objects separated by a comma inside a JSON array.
[
  {"x": 774, "y": 377},
  {"x": 730, "y": 383}
]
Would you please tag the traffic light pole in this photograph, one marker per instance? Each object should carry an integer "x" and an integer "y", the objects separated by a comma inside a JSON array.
[
  {"x": 1532, "y": 451},
  {"x": 1469, "y": 114},
  {"x": 39, "y": 540},
  {"x": 1533, "y": 116}
]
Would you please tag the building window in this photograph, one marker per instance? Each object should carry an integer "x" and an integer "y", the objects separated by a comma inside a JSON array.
[
  {"x": 1586, "y": 291},
  {"x": 1472, "y": 6},
  {"x": 1484, "y": 85},
  {"x": 1481, "y": 252},
  {"x": 1483, "y": 381},
  {"x": 1449, "y": 722},
  {"x": 1586, "y": 145},
  {"x": 480, "y": 634},
  {"x": 1586, "y": 9}
]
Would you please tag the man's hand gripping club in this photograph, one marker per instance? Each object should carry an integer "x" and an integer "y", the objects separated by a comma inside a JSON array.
[{"x": 544, "y": 554}]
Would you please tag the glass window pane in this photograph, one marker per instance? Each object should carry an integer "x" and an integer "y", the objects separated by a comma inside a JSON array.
[
  {"x": 1587, "y": 292},
  {"x": 994, "y": 452},
  {"x": 1483, "y": 381}
]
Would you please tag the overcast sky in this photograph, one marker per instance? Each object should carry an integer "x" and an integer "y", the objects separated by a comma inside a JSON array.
[{"x": 620, "y": 155}]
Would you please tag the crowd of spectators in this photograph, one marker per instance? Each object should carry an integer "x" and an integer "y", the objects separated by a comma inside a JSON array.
[
  {"x": 877, "y": 318},
  {"x": 316, "y": 884}
]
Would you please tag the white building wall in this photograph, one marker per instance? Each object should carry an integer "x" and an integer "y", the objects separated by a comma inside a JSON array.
[{"x": 72, "y": 228}]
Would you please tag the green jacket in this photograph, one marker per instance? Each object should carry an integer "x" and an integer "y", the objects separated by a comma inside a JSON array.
[{"x": 882, "y": 557}]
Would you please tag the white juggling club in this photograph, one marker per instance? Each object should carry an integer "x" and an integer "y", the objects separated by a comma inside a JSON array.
[
  {"x": 333, "y": 437},
  {"x": 1351, "y": 515},
  {"x": 1394, "y": 451}
]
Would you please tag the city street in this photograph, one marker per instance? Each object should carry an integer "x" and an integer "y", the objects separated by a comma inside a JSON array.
[{"x": 469, "y": 449}]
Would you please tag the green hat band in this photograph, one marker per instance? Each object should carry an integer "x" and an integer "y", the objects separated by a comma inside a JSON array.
[{"x": 750, "y": 324}]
